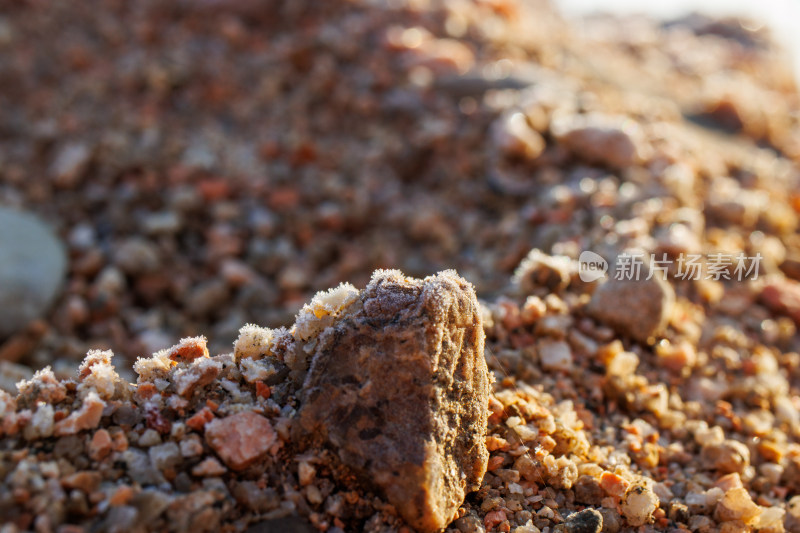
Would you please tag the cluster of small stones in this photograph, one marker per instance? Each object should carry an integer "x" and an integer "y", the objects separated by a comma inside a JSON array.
[
  {"x": 585, "y": 432},
  {"x": 202, "y": 442},
  {"x": 699, "y": 430}
]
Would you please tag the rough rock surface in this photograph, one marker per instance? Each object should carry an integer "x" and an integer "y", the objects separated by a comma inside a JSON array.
[
  {"x": 639, "y": 308},
  {"x": 32, "y": 268},
  {"x": 400, "y": 387}
]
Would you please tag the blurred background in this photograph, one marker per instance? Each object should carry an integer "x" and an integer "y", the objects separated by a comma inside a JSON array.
[
  {"x": 781, "y": 17},
  {"x": 203, "y": 164}
]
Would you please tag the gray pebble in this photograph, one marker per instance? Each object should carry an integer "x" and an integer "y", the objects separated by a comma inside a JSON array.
[
  {"x": 164, "y": 456},
  {"x": 32, "y": 268}
]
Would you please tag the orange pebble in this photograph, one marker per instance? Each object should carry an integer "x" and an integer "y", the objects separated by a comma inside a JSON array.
[
  {"x": 263, "y": 390},
  {"x": 613, "y": 484},
  {"x": 495, "y": 462},
  {"x": 121, "y": 496},
  {"x": 199, "y": 419}
]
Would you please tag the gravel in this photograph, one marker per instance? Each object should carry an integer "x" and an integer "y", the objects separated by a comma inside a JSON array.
[{"x": 213, "y": 164}]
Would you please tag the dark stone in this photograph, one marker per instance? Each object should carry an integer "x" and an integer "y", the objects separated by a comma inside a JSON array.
[
  {"x": 586, "y": 521},
  {"x": 126, "y": 415},
  {"x": 678, "y": 512}
]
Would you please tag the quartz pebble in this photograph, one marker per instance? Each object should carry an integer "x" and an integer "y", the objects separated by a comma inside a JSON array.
[
  {"x": 736, "y": 504},
  {"x": 554, "y": 355},
  {"x": 208, "y": 467},
  {"x": 639, "y": 504},
  {"x": 240, "y": 439}
]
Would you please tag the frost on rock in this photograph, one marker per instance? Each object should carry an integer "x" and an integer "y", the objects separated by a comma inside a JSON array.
[
  {"x": 639, "y": 504},
  {"x": 189, "y": 349},
  {"x": 155, "y": 367},
  {"x": 200, "y": 372},
  {"x": 40, "y": 425},
  {"x": 323, "y": 308},
  {"x": 93, "y": 358},
  {"x": 312, "y": 320},
  {"x": 97, "y": 374},
  {"x": 8, "y": 404},
  {"x": 253, "y": 342},
  {"x": 186, "y": 365},
  {"x": 257, "y": 370},
  {"x": 42, "y": 387}
]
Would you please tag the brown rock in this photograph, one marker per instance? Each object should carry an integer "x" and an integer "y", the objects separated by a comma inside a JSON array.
[
  {"x": 729, "y": 482},
  {"x": 512, "y": 134},
  {"x": 240, "y": 439},
  {"x": 399, "y": 385},
  {"x": 637, "y": 308},
  {"x": 199, "y": 419},
  {"x": 791, "y": 474},
  {"x": 588, "y": 491},
  {"x": 783, "y": 296},
  {"x": 615, "y": 141},
  {"x": 122, "y": 495},
  {"x": 18, "y": 346},
  {"x": 539, "y": 269},
  {"x": 86, "y": 481}
]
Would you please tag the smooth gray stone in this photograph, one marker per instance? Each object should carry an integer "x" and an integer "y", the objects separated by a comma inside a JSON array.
[{"x": 33, "y": 264}]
